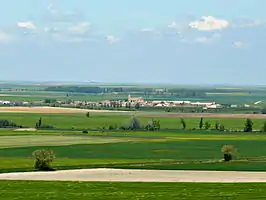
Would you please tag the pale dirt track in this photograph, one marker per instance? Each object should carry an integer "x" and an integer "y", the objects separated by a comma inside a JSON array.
[
  {"x": 52, "y": 110},
  {"x": 121, "y": 175}
]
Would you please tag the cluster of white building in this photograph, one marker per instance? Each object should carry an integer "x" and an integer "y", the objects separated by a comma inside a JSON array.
[{"x": 169, "y": 103}]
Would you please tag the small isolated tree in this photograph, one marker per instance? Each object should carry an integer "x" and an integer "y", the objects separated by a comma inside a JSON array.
[
  {"x": 134, "y": 123},
  {"x": 39, "y": 123},
  {"x": 137, "y": 106},
  {"x": 217, "y": 125},
  {"x": 183, "y": 123},
  {"x": 156, "y": 124},
  {"x": 207, "y": 125},
  {"x": 43, "y": 159},
  {"x": 248, "y": 126},
  {"x": 264, "y": 127},
  {"x": 221, "y": 128},
  {"x": 168, "y": 109},
  {"x": 263, "y": 111},
  {"x": 88, "y": 114},
  {"x": 228, "y": 151},
  {"x": 153, "y": 125},
  {"x": 201, "y": 123}
]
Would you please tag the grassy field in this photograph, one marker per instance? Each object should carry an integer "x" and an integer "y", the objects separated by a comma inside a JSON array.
[
  {"x": 97, "y": 120},
  {"x": 143, "y": 191},
  {"x": 148, "y": 150}
]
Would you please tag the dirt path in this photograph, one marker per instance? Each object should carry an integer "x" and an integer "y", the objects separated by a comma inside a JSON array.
[
  {"x": 52, "y": 110},
  {"x": 121, "y": 175}
]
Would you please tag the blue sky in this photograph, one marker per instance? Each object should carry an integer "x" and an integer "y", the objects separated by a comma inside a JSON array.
[{"x": 170, "y": 41}]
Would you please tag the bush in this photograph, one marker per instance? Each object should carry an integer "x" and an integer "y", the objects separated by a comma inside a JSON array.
[
  {"x": 263, "y": 111},
  {"x": 217, "y": 126},
  {"x": 134, "y": 123},
  {"x": 264, "y": 127},
  {"x": 43, "y": 159},
  {"x": 111, "y": 127},
  {"x": 207, "y": 125},
  {"x": 8, "y": 124},
  {"x": 85, "y": 132},
  {"x": 88, "y": 114},
  {"x": 183, "y": 123},
  {"x": 228, "y": 151},
  {"x": 221, "y": 128}
]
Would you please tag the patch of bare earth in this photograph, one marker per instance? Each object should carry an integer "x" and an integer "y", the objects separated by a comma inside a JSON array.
[
  {"x": 122, "y": 175},
  {"x": 211, "y": 115},
  {"x": 52, "y": 110}
]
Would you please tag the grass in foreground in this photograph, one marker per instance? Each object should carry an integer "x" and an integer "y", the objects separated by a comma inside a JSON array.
[{"x": 30, "y": 190}]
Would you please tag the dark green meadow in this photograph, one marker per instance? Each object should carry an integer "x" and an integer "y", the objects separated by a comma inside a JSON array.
[
  {"x": 31, "y": 190},
  {"x": 99, "y": 120},
  {"x": 148, "y": 150}
]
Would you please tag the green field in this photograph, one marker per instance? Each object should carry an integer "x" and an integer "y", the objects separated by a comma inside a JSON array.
[
  {"x": 98, "y": 120},
  {"x": 30, "y": 190},
  {"x": 148, "y": 150}
]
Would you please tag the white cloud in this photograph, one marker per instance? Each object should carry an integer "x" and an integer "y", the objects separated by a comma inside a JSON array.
[
  {"x": 173, "y": 25},
  {"x": 208, "y": 40},
  {"x": 147, "y": 30},
  {"x": 112, "y": 39},
  {"x": 250, "y": 23},
  {"x": 80, "y": 29},
  {"x": 58, "y": 16},
  {"x": 209, "y": 23},
  {"x": 27, "y": 25},
  {"x": 5, "y": 37},
  {"x": 239, "y": 44}
]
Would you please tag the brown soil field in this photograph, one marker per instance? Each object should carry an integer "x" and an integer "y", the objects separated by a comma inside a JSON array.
[
  {"x": 52, "y": 110},
  {"x": 210, "y": 115}
]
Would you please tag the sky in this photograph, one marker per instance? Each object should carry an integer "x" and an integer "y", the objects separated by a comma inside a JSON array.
[{"x": 170, "y": 41}]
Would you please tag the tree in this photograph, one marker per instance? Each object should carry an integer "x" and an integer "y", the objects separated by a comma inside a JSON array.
[
  {"x": 43, "y": 159},
  {"x": 228, "y": 151},
  {"x": 264, "y": 127},
  {"x": 39, "y": 123},
  {"x": 168, "y": 109},
  {"x": 263, "y": 111},
  {"x": 248, "y": 126},
  {"x": 134, "y": 123},
  {"x": 217, "y": 125},
  {"x": 201, "y": 123},
  {"x": 153, "y": 125},
  {"x": 207, "y": 125},
  {"x": 88, "y": 114},
  {"x": 183, "y": 123},
  {"x": 221, "y": 128},
  {"x": 137, "y": 106}
]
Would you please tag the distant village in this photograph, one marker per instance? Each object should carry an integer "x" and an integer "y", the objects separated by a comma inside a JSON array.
[{"x": 130, "y": 102}]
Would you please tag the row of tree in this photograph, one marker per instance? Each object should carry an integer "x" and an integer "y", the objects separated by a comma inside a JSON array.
[{"x": 153, "y": 125}]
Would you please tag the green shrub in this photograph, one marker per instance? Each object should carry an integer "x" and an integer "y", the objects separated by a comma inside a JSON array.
[
  {"x": 264, "y": 127},
  {"x": 183, "y": 123},
  {"x": 8, "y": 124},
  {"x": 43, "y": 159},
  {"x": 207, "y": 125},
  {"x": 228, "y": 151},
  {"x": 221, "y": 128}
]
